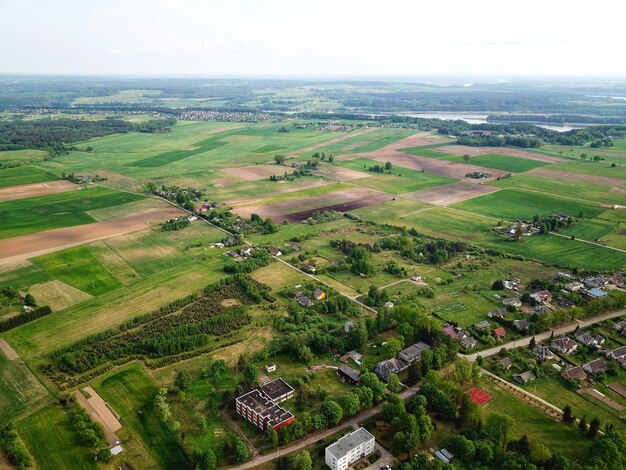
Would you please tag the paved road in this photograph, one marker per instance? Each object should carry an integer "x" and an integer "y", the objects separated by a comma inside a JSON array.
[
  {"x": 318, "y": 436},
  {"x": 561, "y": 330}
]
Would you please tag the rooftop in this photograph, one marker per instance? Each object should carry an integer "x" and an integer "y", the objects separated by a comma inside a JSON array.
[
  {"x": 276, "y": 388},
  {"x": 349, "y": 442}
]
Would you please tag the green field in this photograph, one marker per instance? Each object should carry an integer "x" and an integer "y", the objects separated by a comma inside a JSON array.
[
  {"x": 512, "y": 204},
  {"x": 53, "y": 442},
  {"x": 131, "y": 393},
  {"x": 20, "y": 391},
  {"x": 400, "y": 180},
  {"x": 24, "y": 175},
  {"x": 592, "y": 168},
  {"x": 79, "y": 268},
  {"x": 36, "y": 214},
  {"x": 537, "y": 425},
  {"x": 495, "y": 161},
  {"x": 16, "y": 156},
  {"x": 175, "y": 155}
]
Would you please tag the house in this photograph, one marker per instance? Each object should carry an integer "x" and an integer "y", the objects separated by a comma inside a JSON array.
[
  {"x": 617, "y": 353},
  {"x": 270, "y": 367},
  {"x": 413, "y": 353},
  {"x": 391, "y": 366},
  {"x": 308, "y": 268},
  {"x": 294, "y": 247},
  {"x": 598, "y": 281},
  {"x": 303, "y": 300},
  {"x": 525, "y": 377},
  {"x": 192, "y": 218},
  {"x": 617, "y": 280},
  {"x": 574, "y": 373},
  {"x": 116, "y": 450},
  {"x": 348, "y": 374},
  {"x": 573, "y": 286},
  {"x": 444, "y": 455},
  {"x": 277, "y": 390},
  {"x": 482, "y": 325},
  {"x": 347, "y": 450},
  {"x": 450, "y": 331},
  {"x": 596, "y": 293},
  {"x": 259, "y": 408},
  {"x": 521, "y": 325},
  {"x": 506, "y": 363},
  {"x": 388, "y": 304},
  {"x": 540, "y": 310},
  {"x": 565, "y": 303},
  {"x": 543, "y": 353},
  {"x": 246, "y": 251},
  {"x": 416, "y": 278},
  {"x": 512, "y": 302},
  {"x": 319, "y": 294},
  {"x": 468, "y": 342},
  {"x": 542, "y": 296},
  {"x": 589, "y": 340},
  {"x": 497, "y": 313},
  {"x": 499, "y": 332},
  {"x": 595, "y": 366},
  {"x": 620, "y": 326},
  {"x": 347, "y": 326},
  {"x": 232, "y": 254},
  {"x": 275, "y": 252},
  {"x": 564, "y": 345}
]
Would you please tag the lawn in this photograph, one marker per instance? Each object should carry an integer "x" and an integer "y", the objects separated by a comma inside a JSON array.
[
  {"x": 24, "y": 175},
  {"x": 53, "y": 442},
  {"x": 79, "y": 268},
  {"x": 131, "y": 394},
  {"x": 20, "y": 391},
  {"x": 513, "y": 204},
  {"x": 400, "y": 180},
  {"x": 538, "y": 426},
  {"x": 36, "y": 214}
]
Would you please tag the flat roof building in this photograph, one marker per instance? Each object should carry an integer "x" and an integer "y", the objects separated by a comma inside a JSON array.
[
  {"x": 260, "y": 410},
  {"x": 277, "y": 390},
  {"x": 349, "y": 449}
]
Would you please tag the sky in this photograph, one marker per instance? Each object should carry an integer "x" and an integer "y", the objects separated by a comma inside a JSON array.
[{"x": 280, "y": 38}]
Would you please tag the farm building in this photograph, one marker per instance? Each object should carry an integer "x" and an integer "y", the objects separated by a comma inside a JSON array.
[{"x": 348, "y": 374}]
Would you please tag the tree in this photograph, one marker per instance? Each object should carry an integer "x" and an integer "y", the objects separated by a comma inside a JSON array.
[
  {"x": 366, "y": 396},
  {"x": 183, "y": 380},
  {"x": 350, "y": 403},
  {"x": 388, "y": 166},
  {"x": 594, "y": 427},
  {"x": 241, "y": 451},
  {"x": 217, "y": 369},
  {"x": 498, "y": 284},
  {"x": 30, "y": 300},
  {"x": 371, "y": 381},
  {"x": 331, "y": 411},
  {"x": 301, "y": 461},
  {"x": 415, "y": 373},
  {"x": 204, "y": 460},
  {"x": 499, "y": 427},
  {"x": 532, "y": 343},
  {"x": 250, "y": 375},
  {"x": 582, "y": 424},
  {"x": 466, "y": 158},
  {"x": 461, "y": 447},
  {"x": 392, "y": 348},
  {"x": 280, "y": 159},
  {"x": 568, "y": 417},
  {"x": 272, "y": 436},
  {"x": 398, "y": 444},
  {"x": 393, "y": 383}
]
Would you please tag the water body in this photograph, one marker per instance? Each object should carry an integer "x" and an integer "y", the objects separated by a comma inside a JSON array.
[{"x": 478, "y": 118}]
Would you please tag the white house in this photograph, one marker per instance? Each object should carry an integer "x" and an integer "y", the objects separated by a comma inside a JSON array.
[{"x": 349, "y": 449}]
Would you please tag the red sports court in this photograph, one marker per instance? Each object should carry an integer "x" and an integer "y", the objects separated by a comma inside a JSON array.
[{"x": 479, "y": 396}]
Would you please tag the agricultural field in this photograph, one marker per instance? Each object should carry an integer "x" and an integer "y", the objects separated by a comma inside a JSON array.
[
  {"x": 24, "y": 175},
  {"x": 37, "y": 214}
]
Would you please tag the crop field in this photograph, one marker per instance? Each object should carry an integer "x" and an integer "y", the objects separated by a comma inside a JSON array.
[
  {"x": 61, "y": 449},
  {"x": 24, "y": 175},
  {"x": 20, "y": 391},
  {"x": 15, "y": 156},
  {"x": 398, "y": 180},
  {"x": 37, "y": 214},
  {"x": 131, "y": 393},
  {"x": 79, "y": 268},
  {"x": 592, "y": 168},
  {"x": 512, "y": 204}
]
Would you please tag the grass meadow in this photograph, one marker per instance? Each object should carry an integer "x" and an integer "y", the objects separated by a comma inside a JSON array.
[
  {"x": 53, "y": 442},
  {"x": 36, "y": 214},
  {"x": 20, "y": 391},
  {"x": 24, "y": 175},
  {"x": 131, "y": 392}
]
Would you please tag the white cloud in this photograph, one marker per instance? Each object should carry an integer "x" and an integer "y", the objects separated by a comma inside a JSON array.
[{"x": 340, "y": 37}]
